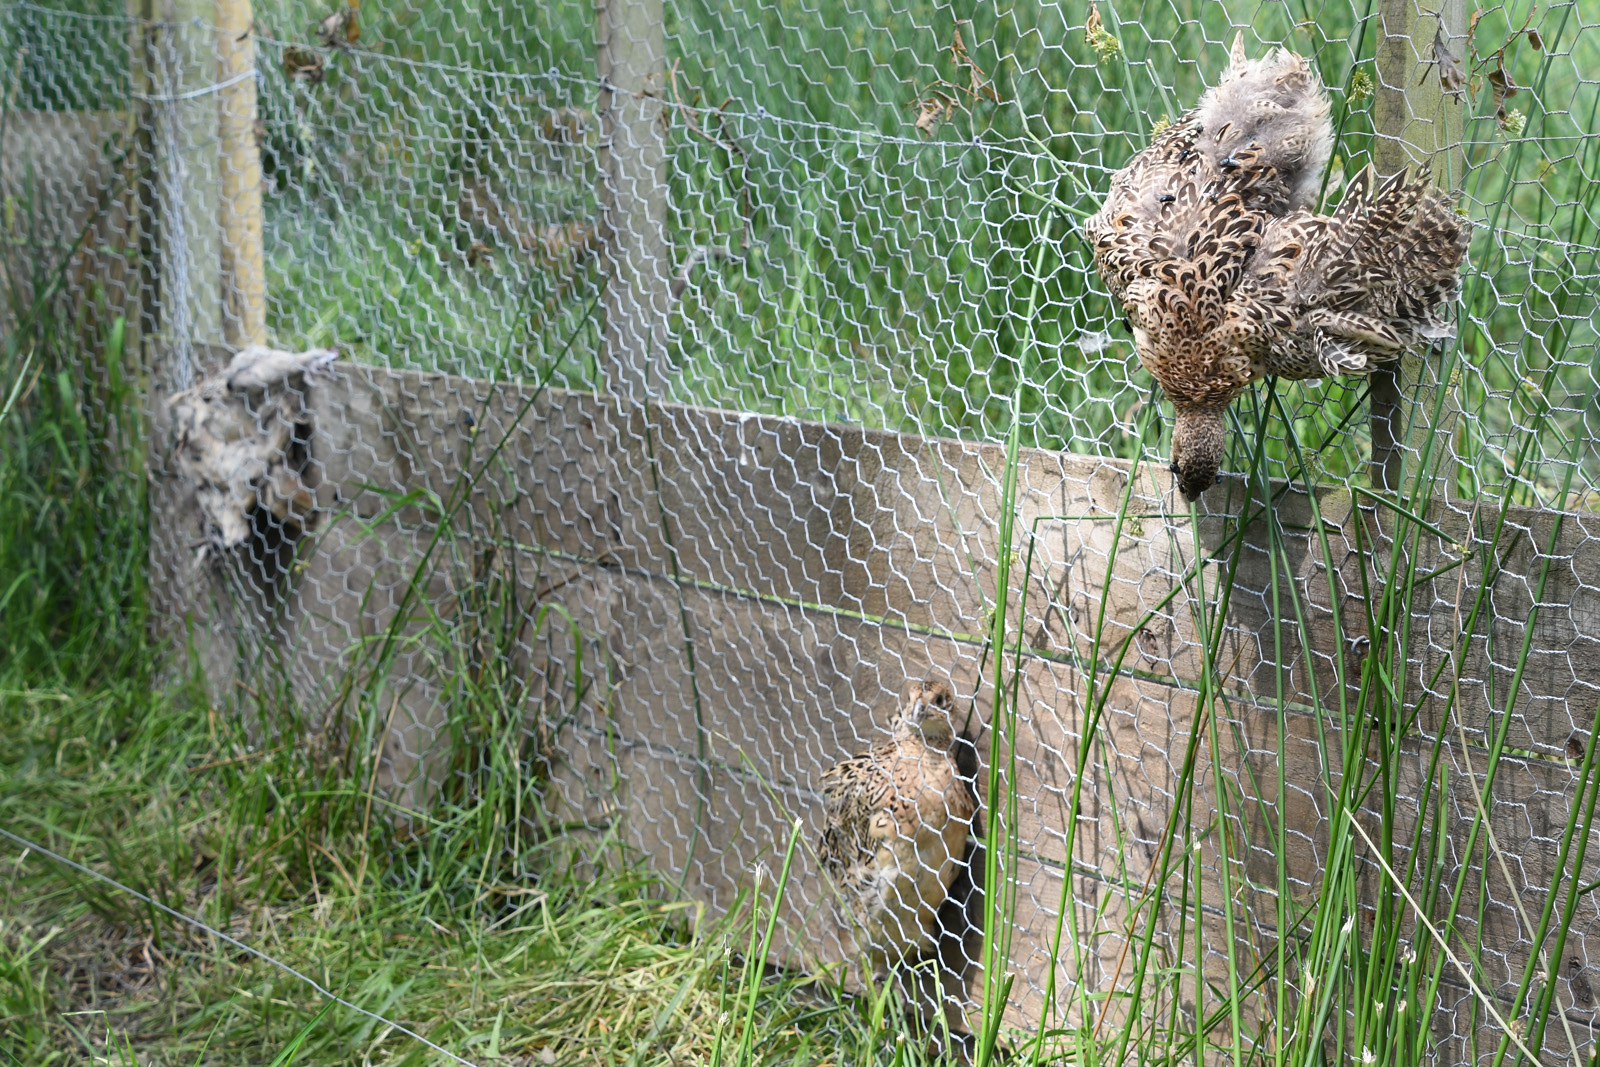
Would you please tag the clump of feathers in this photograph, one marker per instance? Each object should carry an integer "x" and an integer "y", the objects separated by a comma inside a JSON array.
[
  {"x": 1208, "y": 240},
  {"x": 240, "y": 441}
]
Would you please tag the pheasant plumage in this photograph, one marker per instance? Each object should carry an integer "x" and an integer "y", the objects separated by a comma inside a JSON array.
[
  {"x": 896, "y": 824},
  {"x": 1208, "y": 240}
]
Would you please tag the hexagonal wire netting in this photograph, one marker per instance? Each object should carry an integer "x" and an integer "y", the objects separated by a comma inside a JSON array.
[{"x": 680, "y": 349}]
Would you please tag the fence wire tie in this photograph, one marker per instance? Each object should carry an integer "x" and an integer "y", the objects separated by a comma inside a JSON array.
[
  {"x": 193, "y": 94},
  {"x": 328, "y": 994}
]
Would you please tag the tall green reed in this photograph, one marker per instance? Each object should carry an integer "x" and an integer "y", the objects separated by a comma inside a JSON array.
[{"x": 1354, "y": 970}]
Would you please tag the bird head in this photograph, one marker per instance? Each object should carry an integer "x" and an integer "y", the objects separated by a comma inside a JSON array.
[
  {"x": 927, "y": 711},
  {"x": 1197, "y": 444}
]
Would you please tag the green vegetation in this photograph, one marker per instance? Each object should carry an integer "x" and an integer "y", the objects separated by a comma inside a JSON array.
[
  {"x": 872, "y": 262},
  {"x": 869, "y": 263},
  {"x": 498, "y": 969},
  {"x": 920, "y": 279},
  {"x": 460, "y": 923}
]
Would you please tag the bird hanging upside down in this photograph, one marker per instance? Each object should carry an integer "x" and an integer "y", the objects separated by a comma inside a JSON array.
[{"x": 1208, "y": 240}]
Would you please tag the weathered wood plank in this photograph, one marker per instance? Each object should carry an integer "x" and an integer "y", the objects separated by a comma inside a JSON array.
[
  {"x": 717, "y": 710},
  {"x": 784, "y": 713},
  {"x": 902, "y": 527},
  {"x": 559, "y": 489}
]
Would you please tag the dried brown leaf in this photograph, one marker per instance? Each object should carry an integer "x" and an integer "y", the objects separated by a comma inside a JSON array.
[
  {"x": 1535, "y": 41},
  {"x": 304, "y": 64},
  {"x": 931, "y": 110},
  {"x": 342, "y": 28},
  {"x": 1451, "y": 74},
  {"x": 331, "y": 28},
  {"x": 1501, "y": 86},
  {"x": 978, "y": 84}
]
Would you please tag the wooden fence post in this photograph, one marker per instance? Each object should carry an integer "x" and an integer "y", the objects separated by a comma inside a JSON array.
[
  {"x": 630, "y": 62},
  {"x": 1416, "y": 121},
  {"x": 184, "y": 137},
  {"x": 244, "y": 282},
  {"x": 177, "y": 68}
]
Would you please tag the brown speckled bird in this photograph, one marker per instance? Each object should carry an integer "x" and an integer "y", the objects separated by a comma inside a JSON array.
[
  {"x": 1208, "y": 240},
  {"x": 897, "y": 820}
]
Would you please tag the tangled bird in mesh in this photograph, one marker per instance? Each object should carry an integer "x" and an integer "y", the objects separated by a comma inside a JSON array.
[
  {"x": 240, "y": 443},
  {"x": 896, "y": 824},
  {"x": 1208, "y": 240}
]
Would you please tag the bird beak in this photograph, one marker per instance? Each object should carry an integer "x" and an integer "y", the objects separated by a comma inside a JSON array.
[{"x": 919, "y": 712}]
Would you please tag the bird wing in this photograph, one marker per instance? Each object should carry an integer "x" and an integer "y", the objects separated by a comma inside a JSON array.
[
  {"x": 1133, "y": 230},
  {"x": 1261, "y": 134},
  {"x": 1337, "y": 294},
  {"x": 854, "y": 790}
]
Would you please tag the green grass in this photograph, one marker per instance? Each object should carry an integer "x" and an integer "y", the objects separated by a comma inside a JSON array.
[
  {"x": 469, "y": 923},
  {"x": 455, "y": 922},
  {"x": 871, "y": 267},
  {"x": 496, "y": 969}
]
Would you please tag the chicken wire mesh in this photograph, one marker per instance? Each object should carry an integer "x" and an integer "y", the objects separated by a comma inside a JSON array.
[{"x": 679, "y": 344}]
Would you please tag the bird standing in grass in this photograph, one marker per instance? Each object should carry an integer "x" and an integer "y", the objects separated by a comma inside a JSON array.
[
  {"x": 1208, "y": 240},
  {"x": 897, "y": 820}
]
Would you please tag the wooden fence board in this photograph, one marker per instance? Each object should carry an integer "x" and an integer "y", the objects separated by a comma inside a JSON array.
[
  {"x": 786, "y": 714},
  {"x": 903, "y": 527},
  {"x": 818, "y": 566}
]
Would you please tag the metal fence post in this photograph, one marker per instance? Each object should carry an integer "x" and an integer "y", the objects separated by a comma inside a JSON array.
[
  {"x": 633, "y": 194},
  {"x": 1416, "y": 120}
]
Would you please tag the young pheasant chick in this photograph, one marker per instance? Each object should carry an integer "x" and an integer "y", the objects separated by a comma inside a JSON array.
[
  {"x": 1207, "y": 240},
  {"x": 896, "y": 826}
]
